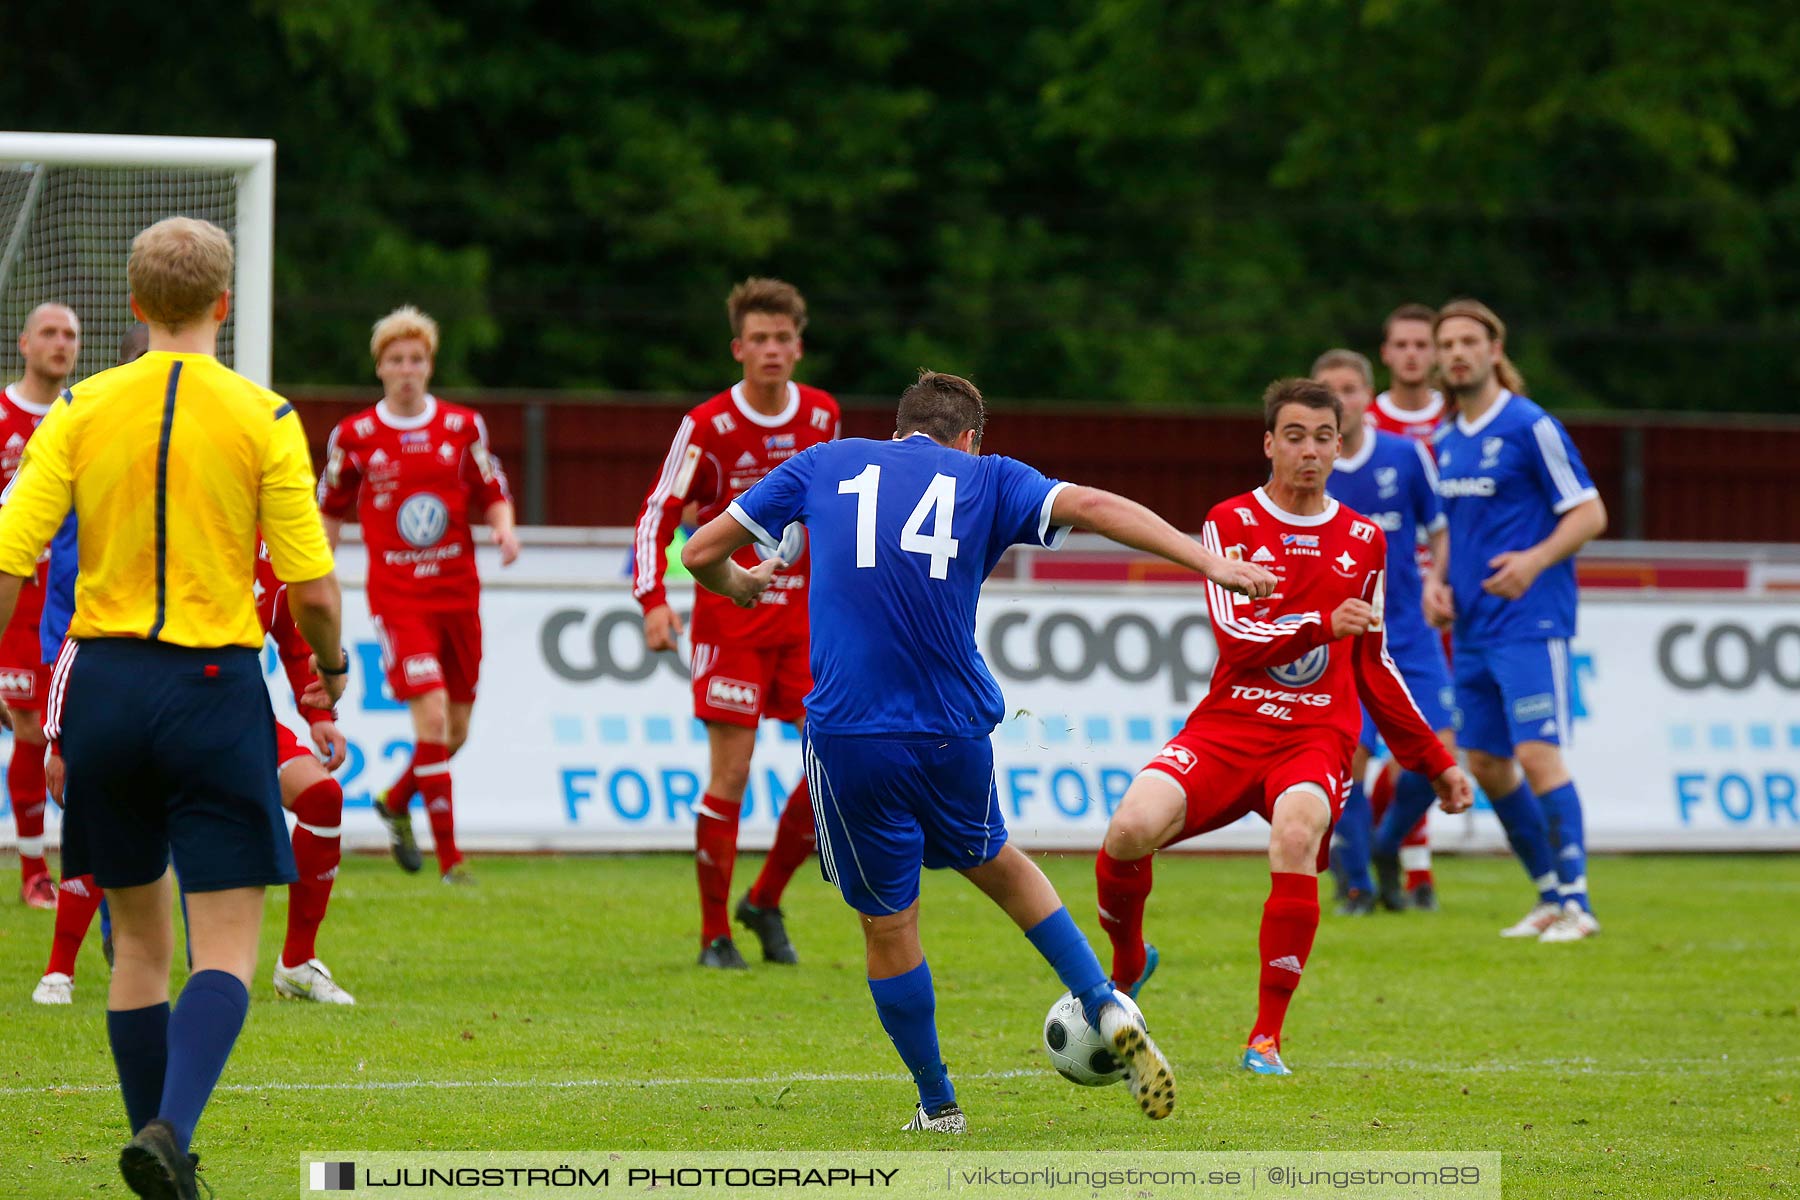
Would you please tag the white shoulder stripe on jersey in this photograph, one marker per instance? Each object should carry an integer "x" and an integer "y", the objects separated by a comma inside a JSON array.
[
  {"x": 1429, "y": 463},
  {"x": 1556, "y": 457},
  {"x": 650, "y": 523}
]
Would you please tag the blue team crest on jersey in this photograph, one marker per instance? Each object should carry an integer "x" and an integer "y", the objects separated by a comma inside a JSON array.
[
  {"x": 423, "y": 520},
  {"x": 1387, "y": 482},
  {"x": 1304, "y": 671}
]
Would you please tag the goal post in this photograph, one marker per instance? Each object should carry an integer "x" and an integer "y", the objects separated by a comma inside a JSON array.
[{"x": 70, "y": 204}]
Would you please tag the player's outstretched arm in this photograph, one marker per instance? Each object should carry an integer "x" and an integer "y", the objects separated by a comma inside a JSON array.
[
  {"x": 1131, "y": 524},
  {"x": 707, "y": 556}
]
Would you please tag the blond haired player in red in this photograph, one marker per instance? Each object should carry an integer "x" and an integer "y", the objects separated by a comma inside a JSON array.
[
  {"x": 307, "y": 790},
  {"x": 747, "y": 663},
  {"x": 416, "y": 472},
  {"x": 1275, "y": 731},
  {"x": 49, "y": 344}
]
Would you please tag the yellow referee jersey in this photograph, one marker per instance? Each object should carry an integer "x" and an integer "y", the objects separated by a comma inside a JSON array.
[{"x": 171, "y": 463}]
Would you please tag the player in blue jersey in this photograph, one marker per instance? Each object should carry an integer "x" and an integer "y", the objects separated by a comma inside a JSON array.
[
  {"x": 903, "y": 533},
  {"x": 1391, "y": 480},
  {"x": 1520, "y": 504}
]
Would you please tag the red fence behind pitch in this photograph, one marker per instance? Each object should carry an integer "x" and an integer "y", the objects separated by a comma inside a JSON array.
[{"x": 580, "y": 461}]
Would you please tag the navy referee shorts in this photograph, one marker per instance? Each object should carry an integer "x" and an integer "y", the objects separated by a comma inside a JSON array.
[{"x": 170, "y": 753}]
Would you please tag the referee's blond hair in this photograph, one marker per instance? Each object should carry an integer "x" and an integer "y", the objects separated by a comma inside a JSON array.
[{"x": 179, "y": 267}]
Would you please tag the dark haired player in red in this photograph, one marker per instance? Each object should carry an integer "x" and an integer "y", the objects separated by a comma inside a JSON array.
[
  {"x": 417, "y": 473},
  {"x": 747, "y": 663},
  {"x": 49, "y": 344},
  {"x": 1275, "y": 731}
]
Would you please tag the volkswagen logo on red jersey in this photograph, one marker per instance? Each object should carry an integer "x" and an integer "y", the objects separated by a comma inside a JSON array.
[
  {"x": 1304, "y": 671},
  {"x": 793, "y": 545},
  {"x": 422, "y": 520}
]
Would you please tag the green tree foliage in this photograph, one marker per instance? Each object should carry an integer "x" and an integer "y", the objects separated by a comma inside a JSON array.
[{"x": 1133, "y": 201}]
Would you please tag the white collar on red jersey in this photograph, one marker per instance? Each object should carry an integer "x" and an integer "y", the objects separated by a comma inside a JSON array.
[
  {"x": 763, "y": 419},
  {"x": 1357, "y": 461},
  {"x": 1411, "y": 416},
  {"x": 1471, "y": 428},
  {"x": 1288, "y": 518},
  {"x": 22, "y": 404},
  {"x": 420, "y": 421}
]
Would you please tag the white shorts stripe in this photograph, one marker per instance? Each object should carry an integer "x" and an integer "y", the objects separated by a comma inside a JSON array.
[{"x": 59, "y": 682}]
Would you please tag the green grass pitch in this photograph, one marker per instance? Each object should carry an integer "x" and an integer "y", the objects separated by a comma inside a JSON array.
[{"x": 556, "y": 1007}]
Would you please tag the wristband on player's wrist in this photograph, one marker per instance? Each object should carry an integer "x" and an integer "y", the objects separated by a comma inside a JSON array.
[{"x": 343, "y": 670}]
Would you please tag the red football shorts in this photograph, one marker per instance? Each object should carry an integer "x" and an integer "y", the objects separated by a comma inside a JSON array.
[
  {"x": 24, "y": 679},
  {"x": 288, "y": 747},
  {"x": 1229, "y": 771},
  {"x": 738, "y": 684},
  {"x": 424, "y": 651}
]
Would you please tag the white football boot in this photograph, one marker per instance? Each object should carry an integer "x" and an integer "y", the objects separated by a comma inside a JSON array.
[
  {"x": 949, "y": 1119},
  {"x": 1534, "y": 923},
  {"x": 309, "y": 981},
  {"x": 1575, "y": 924},
  {"x": 54, "y": 988},
  {"x": 1147, "y": 1073}
]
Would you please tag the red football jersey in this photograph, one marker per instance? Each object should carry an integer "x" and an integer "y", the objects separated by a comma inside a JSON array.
[
  {"x": 1419, "y": 423},
  {"x": 278, "y": 623},
  {"x": 721, "y": 448},
  {"x": 415, "y": 484},
  {"x": 1279, "y": 668},
  {"x": 19, "y": 419}
]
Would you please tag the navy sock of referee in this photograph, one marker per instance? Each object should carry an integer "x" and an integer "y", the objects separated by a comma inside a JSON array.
[
  {"x": 203, "y": 1028},
  {"x": 140, "y": 1050}
]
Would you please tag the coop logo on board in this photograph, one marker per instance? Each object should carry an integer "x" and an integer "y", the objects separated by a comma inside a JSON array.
[
  {"x": 1072, "y": 647},
  {"x": 1729, "y": 655}
]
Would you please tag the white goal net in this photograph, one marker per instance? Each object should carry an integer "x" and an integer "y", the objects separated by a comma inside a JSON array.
[{"x": 71, "y": 203}]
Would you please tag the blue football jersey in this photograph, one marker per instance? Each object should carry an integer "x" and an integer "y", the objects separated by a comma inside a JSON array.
[
  {"x": 1506, "y": 481},
  {"x": 1393, "y": 482},
  {"x": 902, "y": 535}
]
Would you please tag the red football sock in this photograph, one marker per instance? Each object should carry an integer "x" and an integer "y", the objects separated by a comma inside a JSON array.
[
  {"x": 25, "y": 785},
  {"x": 1381, "y": 793},
  {"x": 1415, "y": 855},
  {"x": 1122, "y": 888},
  {"x": 402, "y": 790},
  {"x": 1290, "y": 919},
  {"x": 318, "y": 812},
  {"x": 795, "y": 839},
  {"x": 715, "y": 853},
  {"x": 431, "y": 767},
  {"x": 77, "y": 900}
]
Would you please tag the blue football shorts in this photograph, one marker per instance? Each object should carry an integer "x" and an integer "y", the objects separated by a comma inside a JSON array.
[
  {"x": 1511, "y": 692},
  {"x": 885, "y": 807}
]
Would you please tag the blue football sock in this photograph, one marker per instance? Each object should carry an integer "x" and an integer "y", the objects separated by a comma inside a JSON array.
[
  {"x": 105, "y": 919},
  {"x": 140, "y": 1050},
  {"x": 907, "y": 1006},
  {"x": 1352, "y": 838},
  {"x": 1412, "y": 797},
  {"x": 1059, "y": 940},
  {"x": 1562, "y": 806},
  {"x": 1524, "y": 822},
  {"x": 202, "y": 1030}
]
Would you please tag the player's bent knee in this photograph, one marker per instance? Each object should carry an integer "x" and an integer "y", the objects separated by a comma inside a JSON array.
[
  {"x": 1302, "y": 814},
  {"x": 1148, "y": 817},
  {"x": 320, "y": 806}
]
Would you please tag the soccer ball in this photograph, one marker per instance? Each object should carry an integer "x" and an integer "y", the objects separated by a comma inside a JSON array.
[{"x": 1078, "y": 1051}]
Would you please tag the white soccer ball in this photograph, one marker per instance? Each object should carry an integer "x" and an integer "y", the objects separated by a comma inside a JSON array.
[{"x": 1078, "y": 1051}]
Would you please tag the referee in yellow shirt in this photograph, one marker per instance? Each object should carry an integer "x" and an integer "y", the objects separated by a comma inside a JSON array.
[{"x": 172, "y": 463}]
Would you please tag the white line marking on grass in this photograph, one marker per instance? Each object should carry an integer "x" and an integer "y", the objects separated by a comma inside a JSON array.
[{"x": 1578, "y": 1066}]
